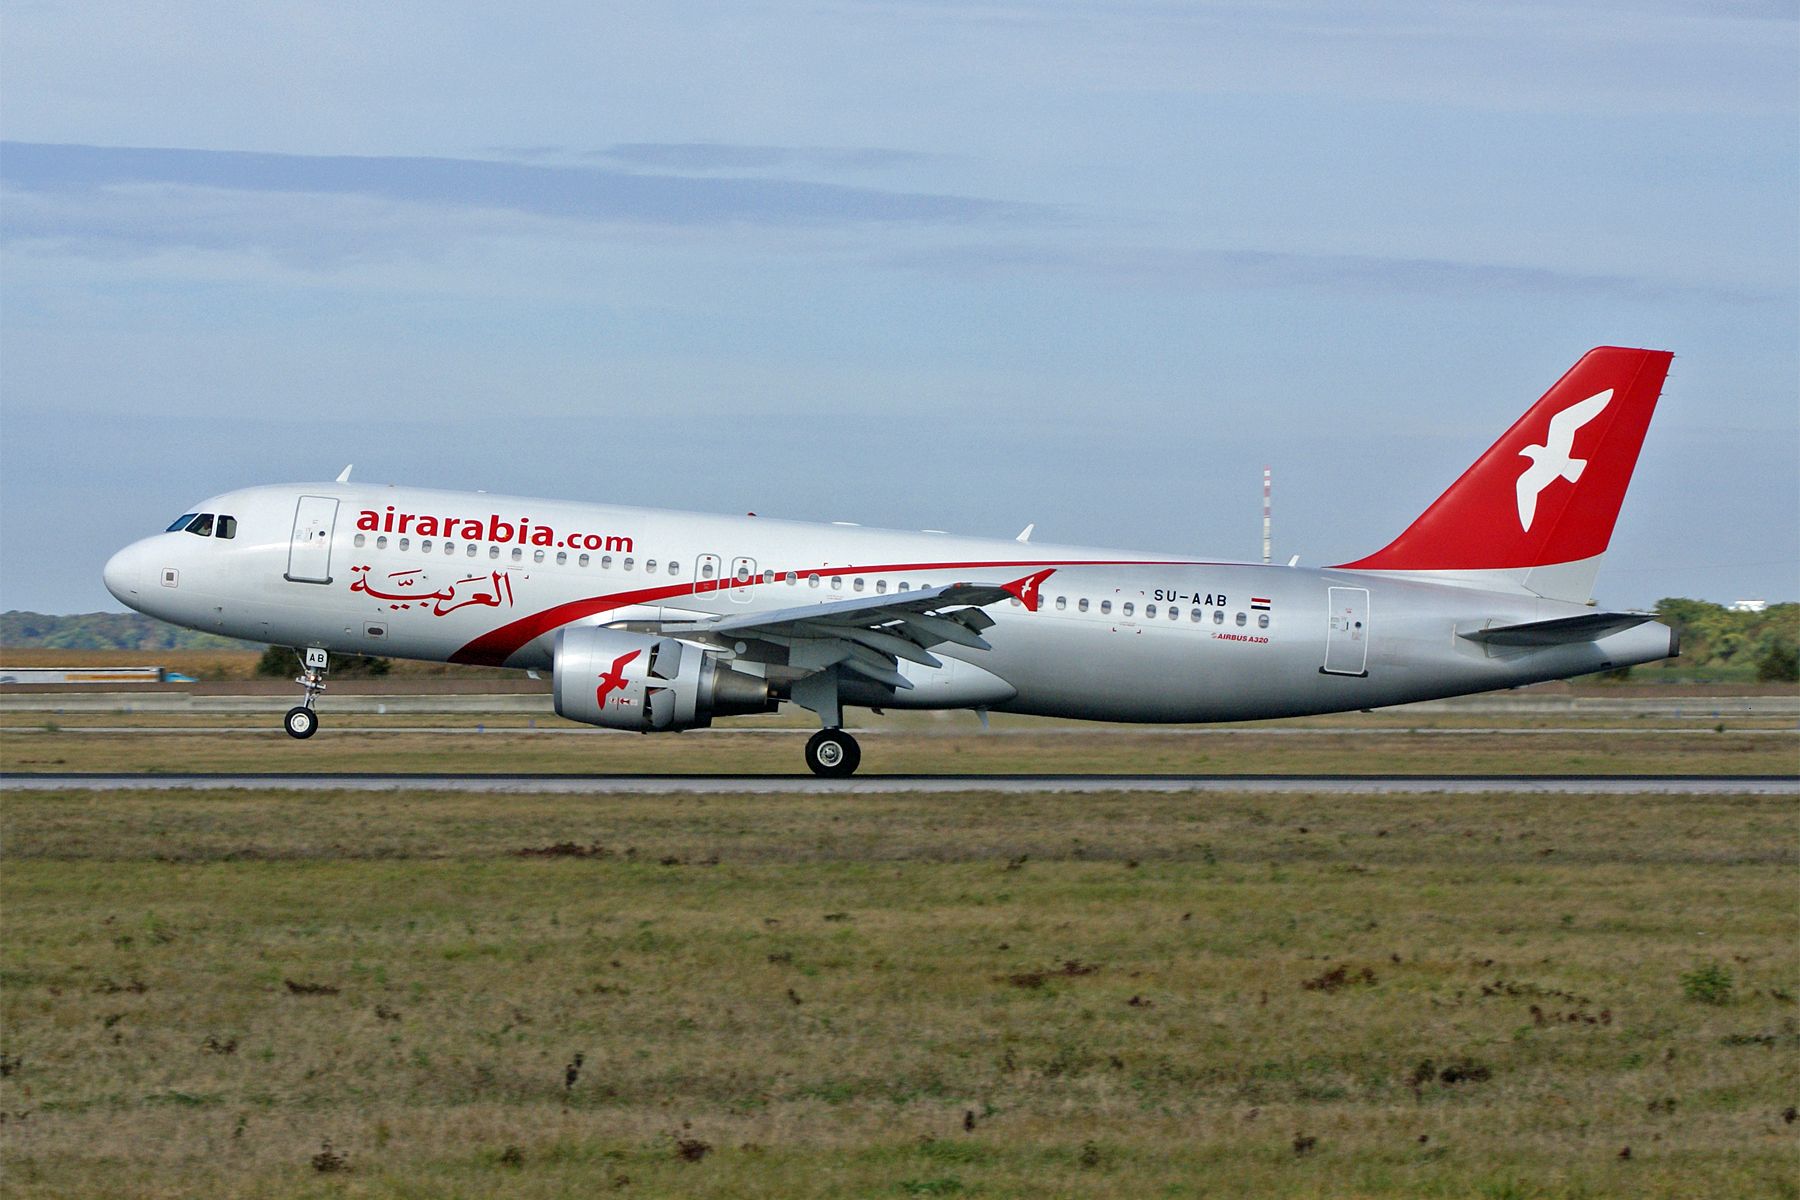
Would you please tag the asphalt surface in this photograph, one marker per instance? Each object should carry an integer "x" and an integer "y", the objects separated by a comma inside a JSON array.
[{"x": 1622, "y": 785}]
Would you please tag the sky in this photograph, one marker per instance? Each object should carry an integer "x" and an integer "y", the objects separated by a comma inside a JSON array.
[{"x": 944, "y": 264}]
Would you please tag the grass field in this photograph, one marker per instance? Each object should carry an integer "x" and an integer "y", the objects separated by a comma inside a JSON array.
[
  {"x": 898, "y": 996},
  {"x": 1715, "y": 735},
  {"x": 1270, "y": 751}
]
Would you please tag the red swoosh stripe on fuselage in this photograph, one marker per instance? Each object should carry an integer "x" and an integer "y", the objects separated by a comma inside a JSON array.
[{"x": 494, "y": 647}]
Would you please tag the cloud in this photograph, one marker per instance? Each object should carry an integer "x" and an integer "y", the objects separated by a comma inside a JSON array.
[
  {"x": 720, "y": 156},
  {"x": 570, "y": 193},
  {"x": 1237, "y": 270}
]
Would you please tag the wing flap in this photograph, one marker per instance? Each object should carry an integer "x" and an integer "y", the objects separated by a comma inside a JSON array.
[
  {"x": 862, "y": 612},
  {"x": 870, "y": 635}
]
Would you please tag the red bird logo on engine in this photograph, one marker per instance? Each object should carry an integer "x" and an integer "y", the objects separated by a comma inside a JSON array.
[{"x": 614, "y": 679}]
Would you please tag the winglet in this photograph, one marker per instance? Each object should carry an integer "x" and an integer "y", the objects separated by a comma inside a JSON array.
[
  {"x": 344, "y": 475},
  {"x": 1025, "y": 533},
  {"x": 1025, "y": 590}
]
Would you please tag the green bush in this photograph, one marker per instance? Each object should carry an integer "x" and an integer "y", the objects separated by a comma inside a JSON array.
[
  {"x": 1710, "y": 984},
  {"x": 282, "y": 662},
  {"x": 1781, "y": 664}
]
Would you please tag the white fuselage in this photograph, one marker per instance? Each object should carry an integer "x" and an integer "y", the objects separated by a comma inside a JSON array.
[{"x": 1126, "y": 636}]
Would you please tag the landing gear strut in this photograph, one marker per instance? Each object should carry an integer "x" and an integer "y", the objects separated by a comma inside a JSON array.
[
  {"x": 830, "y": 752},
  {"x": 834, "y": 753},
  {"x": 301, "y": 721}
]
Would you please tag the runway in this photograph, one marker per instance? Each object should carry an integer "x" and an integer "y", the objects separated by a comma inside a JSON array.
[{"x": 875, "y": 785}]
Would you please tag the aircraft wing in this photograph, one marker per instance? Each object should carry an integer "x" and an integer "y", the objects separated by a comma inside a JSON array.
[{"x": 870, "y": 634}]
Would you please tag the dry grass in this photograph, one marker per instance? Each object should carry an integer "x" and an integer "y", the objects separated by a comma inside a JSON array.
[
  {"x": 892, "y": 996},
  {"x": 245, "y": 740}
]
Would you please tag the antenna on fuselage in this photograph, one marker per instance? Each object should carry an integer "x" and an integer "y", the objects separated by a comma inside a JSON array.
[{"x": 1267, "y": 552}]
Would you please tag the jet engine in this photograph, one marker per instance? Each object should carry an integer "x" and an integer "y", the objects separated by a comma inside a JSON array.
[{"x": 648, "y": 684}]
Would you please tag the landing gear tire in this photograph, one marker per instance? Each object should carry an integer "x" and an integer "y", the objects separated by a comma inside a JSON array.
[
  {"x": 300, "y": 722},
  {"x": 833, "y": 753}
]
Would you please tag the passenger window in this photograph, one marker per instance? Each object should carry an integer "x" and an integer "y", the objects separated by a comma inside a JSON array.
[
  {"x": 582, "y": 561},
  {"x": 424, "y": 545},
  {"x": 1125, "y": 609},
  {"x": 202, "y": 526},
  {"x": 449, "y": 547},
  {"x": 381, "y": 542},
  {"x": 674, "y": 567},
  {"x": 405, "y": 543},
  {"x": 562, "y": 557},
  {"x": 649, "y": 566},
  {"x": 1062, "y": 602},
  {"x": 180, "y": 523},
  {"x": 768, "y": 577},
  {"x": 1174, "y": 613},
  {"x": 627, "y": 564},
  {"x": 858, "y": 583},
  {"x": 1106, "y": 606},
  {"x": 1218, "y": 616},
  {"x": 837, "y": 583},
  {"x": 358, "y": 540},
  {"x": 1241, "y": 619},
  {"x": 706, "y": 571},
  {"x": 228, "y": 528},
  {"x": 493, "y": 552},
  {"x": 472, "y": 548},
  {"x": 1262, "y": 620},
  {"x": 812, "y": 581},
  {"x": 606, "y": 562},
  {"x": 1149, "y": 610},
  {"x": 792, "y": 579},
  {"x": 1194, "y": 615},
  {"x": 1081, "y": 604},
  {"x": 537, "y": 556},
  {"x": 518, "y": 555},
  {"x": 881, "y": 585}
]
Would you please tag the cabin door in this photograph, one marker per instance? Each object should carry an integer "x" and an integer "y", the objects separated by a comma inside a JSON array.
[
  {"x": 1347, "y": 638},
  {"x": 309, "y": 553}
]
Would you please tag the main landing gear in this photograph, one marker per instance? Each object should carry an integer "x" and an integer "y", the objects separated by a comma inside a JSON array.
[
  {"x": 833, "y": 753},
  {"x": 301, "y": 721}
]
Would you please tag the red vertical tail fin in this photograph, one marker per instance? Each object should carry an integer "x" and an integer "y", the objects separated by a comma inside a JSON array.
[{"x": 1538, "y": 509}]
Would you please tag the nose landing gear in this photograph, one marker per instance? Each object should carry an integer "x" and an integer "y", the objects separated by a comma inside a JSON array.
[{"x": 301, "y": 721}]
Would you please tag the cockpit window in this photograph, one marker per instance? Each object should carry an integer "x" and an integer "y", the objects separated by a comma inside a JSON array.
[
  {"x": 180, "y": 522},
  {"x": 226, "y": 528},
  {"x": 202, "y": 526}
]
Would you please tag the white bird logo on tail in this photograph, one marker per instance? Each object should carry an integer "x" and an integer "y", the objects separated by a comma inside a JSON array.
[{"x": 1554, "y": 459}]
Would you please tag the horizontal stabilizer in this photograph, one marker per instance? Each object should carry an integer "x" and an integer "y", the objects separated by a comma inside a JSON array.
[{"x": 1588, "y": 627}]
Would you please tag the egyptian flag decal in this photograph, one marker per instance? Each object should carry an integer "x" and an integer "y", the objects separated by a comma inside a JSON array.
[{"x": 1259, "y": 604}]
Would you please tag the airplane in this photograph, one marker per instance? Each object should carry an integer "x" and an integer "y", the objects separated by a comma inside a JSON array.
[{"x": 660, "y": 621}]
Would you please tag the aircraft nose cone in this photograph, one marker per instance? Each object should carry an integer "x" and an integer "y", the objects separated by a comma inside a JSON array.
[{"x": 124, "y": 575}]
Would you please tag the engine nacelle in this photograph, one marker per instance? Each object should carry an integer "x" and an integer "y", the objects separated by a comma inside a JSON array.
[{"x": 647, "y": 684}]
